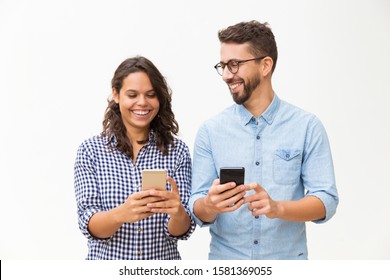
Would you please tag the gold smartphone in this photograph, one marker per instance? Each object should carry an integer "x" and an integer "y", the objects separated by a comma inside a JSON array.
[{"x": 154, "y": 179}]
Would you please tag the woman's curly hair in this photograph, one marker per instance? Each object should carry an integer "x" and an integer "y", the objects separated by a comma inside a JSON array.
[{"x": 163, "y": 125}]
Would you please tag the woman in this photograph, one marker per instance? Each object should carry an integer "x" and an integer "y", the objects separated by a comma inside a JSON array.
[{"x": 120, "y": 220}]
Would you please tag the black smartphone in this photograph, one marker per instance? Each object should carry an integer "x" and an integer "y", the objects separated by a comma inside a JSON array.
[{"x": 232, "y": 174}]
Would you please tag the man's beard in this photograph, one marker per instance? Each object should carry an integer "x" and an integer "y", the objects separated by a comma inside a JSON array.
[{"x": 249, "y": 87}]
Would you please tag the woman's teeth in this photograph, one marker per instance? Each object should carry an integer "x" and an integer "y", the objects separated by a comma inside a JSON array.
[{"x": 140, "y": 112}]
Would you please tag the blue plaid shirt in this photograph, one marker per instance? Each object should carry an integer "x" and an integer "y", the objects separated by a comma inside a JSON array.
[{"x": 104, "y": 178}]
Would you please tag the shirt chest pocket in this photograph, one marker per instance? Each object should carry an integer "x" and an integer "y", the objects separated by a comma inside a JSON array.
[{"x": 287, "y": 166}]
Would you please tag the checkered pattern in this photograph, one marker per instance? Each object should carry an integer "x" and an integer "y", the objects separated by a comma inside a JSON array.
[{"x": 105, "y": 177}]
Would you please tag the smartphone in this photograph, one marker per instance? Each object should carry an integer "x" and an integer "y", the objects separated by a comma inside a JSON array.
[
  {"x": 154, "y": 179},
  {"x": 232, "y": 174}
]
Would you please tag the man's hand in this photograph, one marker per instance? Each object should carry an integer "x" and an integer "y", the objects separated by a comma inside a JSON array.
[
  {"x": 260, "y": 203},
  {"x": 219, "y": 199}
]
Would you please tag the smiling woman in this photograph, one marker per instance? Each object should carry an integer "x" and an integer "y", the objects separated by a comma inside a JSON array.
[
  {"x": 120, "y": 220},
  {"x": 138, "y": 105},
  {"x": 138, "y": 85}
]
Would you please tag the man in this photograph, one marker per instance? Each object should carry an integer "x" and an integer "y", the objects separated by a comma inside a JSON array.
[{"x": 289, "y": 176}]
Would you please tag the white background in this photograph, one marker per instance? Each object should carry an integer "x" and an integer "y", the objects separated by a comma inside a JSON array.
[{"x": 57, "y": 59}]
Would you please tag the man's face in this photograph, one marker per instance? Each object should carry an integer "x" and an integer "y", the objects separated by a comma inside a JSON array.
[{"x": 247, "y": 79}]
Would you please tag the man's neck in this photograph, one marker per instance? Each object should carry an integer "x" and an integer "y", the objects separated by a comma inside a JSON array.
[{"x": 260, "y": 100}]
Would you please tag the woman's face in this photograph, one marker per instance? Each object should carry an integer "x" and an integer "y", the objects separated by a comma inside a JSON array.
[{"x": 138, "y": 102}]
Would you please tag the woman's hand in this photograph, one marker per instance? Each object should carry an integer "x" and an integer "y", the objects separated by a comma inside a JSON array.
[
  {"x": 169, "y": 202},
  {"x": 135, "y": 207},
  {"x": 166, "y": 201}
]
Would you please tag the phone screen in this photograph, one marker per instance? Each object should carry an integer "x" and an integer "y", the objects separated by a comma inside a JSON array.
[{"x": 232, "y": 174}]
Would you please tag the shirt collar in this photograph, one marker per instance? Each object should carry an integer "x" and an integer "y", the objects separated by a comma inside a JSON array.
[
  {"x": 152, "y": 138},
  {"x": 268, "y": 115},
  {"x": 270, "y": 112}
]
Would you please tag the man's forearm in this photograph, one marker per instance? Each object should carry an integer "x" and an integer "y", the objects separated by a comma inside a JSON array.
[{"x": 203, "y": 212}]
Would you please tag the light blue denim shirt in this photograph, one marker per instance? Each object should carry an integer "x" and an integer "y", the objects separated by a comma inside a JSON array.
[{"x": 286, "y": 150}]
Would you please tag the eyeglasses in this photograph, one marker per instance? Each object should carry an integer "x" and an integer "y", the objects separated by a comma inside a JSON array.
[{"x": 233, "y": 65}]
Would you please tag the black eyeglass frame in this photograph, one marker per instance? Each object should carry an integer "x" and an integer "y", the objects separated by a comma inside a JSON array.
[{"x": 222, "y": 65}]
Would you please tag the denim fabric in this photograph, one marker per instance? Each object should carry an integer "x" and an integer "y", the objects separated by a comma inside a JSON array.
[{"x": 286, "y": 150}]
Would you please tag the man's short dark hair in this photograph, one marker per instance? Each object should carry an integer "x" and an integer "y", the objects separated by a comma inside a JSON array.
[{"x": 259, "y": 36}]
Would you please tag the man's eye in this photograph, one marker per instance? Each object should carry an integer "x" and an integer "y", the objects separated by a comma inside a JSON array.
[{"x": 233, "y": 63}]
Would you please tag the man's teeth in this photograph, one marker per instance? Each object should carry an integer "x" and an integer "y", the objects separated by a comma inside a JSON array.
[{"x": 233, "y": 86}]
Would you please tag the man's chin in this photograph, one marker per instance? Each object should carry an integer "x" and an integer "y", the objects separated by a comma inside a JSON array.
[
  {"x": 237, "y": 98},
  {"x": 239, "y": 101}
]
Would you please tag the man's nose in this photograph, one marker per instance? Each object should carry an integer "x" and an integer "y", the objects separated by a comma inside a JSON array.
[{"x": 226, "y": 74}]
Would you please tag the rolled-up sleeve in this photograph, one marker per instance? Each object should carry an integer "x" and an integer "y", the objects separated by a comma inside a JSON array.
[
  {"x": 182, "y": 176},
  {"x": 204, "y": 172},
  {"x": 86, "y": 190},
  {"x": 317, "y": 168}
]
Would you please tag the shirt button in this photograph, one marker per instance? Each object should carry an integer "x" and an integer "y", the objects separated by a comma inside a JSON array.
[
  {"x": 258, "y": 137},
  {"x": 139, "y": 229},
  {"x": 256, "y": 242},
  {"x": 287, "y": 155},
  {"x": 257, "y": 163},
  {"x": 139, "y": 252}
]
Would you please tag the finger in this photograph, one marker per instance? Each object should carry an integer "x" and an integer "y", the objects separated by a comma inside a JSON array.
[
  {"x": 173, "y": 185},
  {"x": 260, "y": 211},
  {"x": 165, "y": 210},
  {"x": 254, "y": 186},
  {"x": 217, "y": 188},
  {"x": 260, "y": 192},
  {"x": 161, "y": 195},
  {"x": 225, "y": 187},
  {"x": 254, "y": 205},
  {"x": 141, "y": 210},
  {"x": 140, "y": 195},
  {"x": 251, "y": 197},
  {"x": 232, "y": 200},
  {"x": 172, "y": 203},
  {"x": 158, "y": 205},
  {"x": 151, "y": 199},
  {"x": 216, "y": 182},
  {"x": 233, "y": 207},
  {"x": 158, "y": 210},
  {"x": 161, "y": 210},
  {"x": 132, "y": 201},
  {"x": 154, "y": 192},
  {"x": 232, "y": 192},
  {"x": 145, "y": 215}
]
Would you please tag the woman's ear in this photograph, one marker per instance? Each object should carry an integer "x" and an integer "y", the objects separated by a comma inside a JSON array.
[{"x": 115, "y": 95}]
